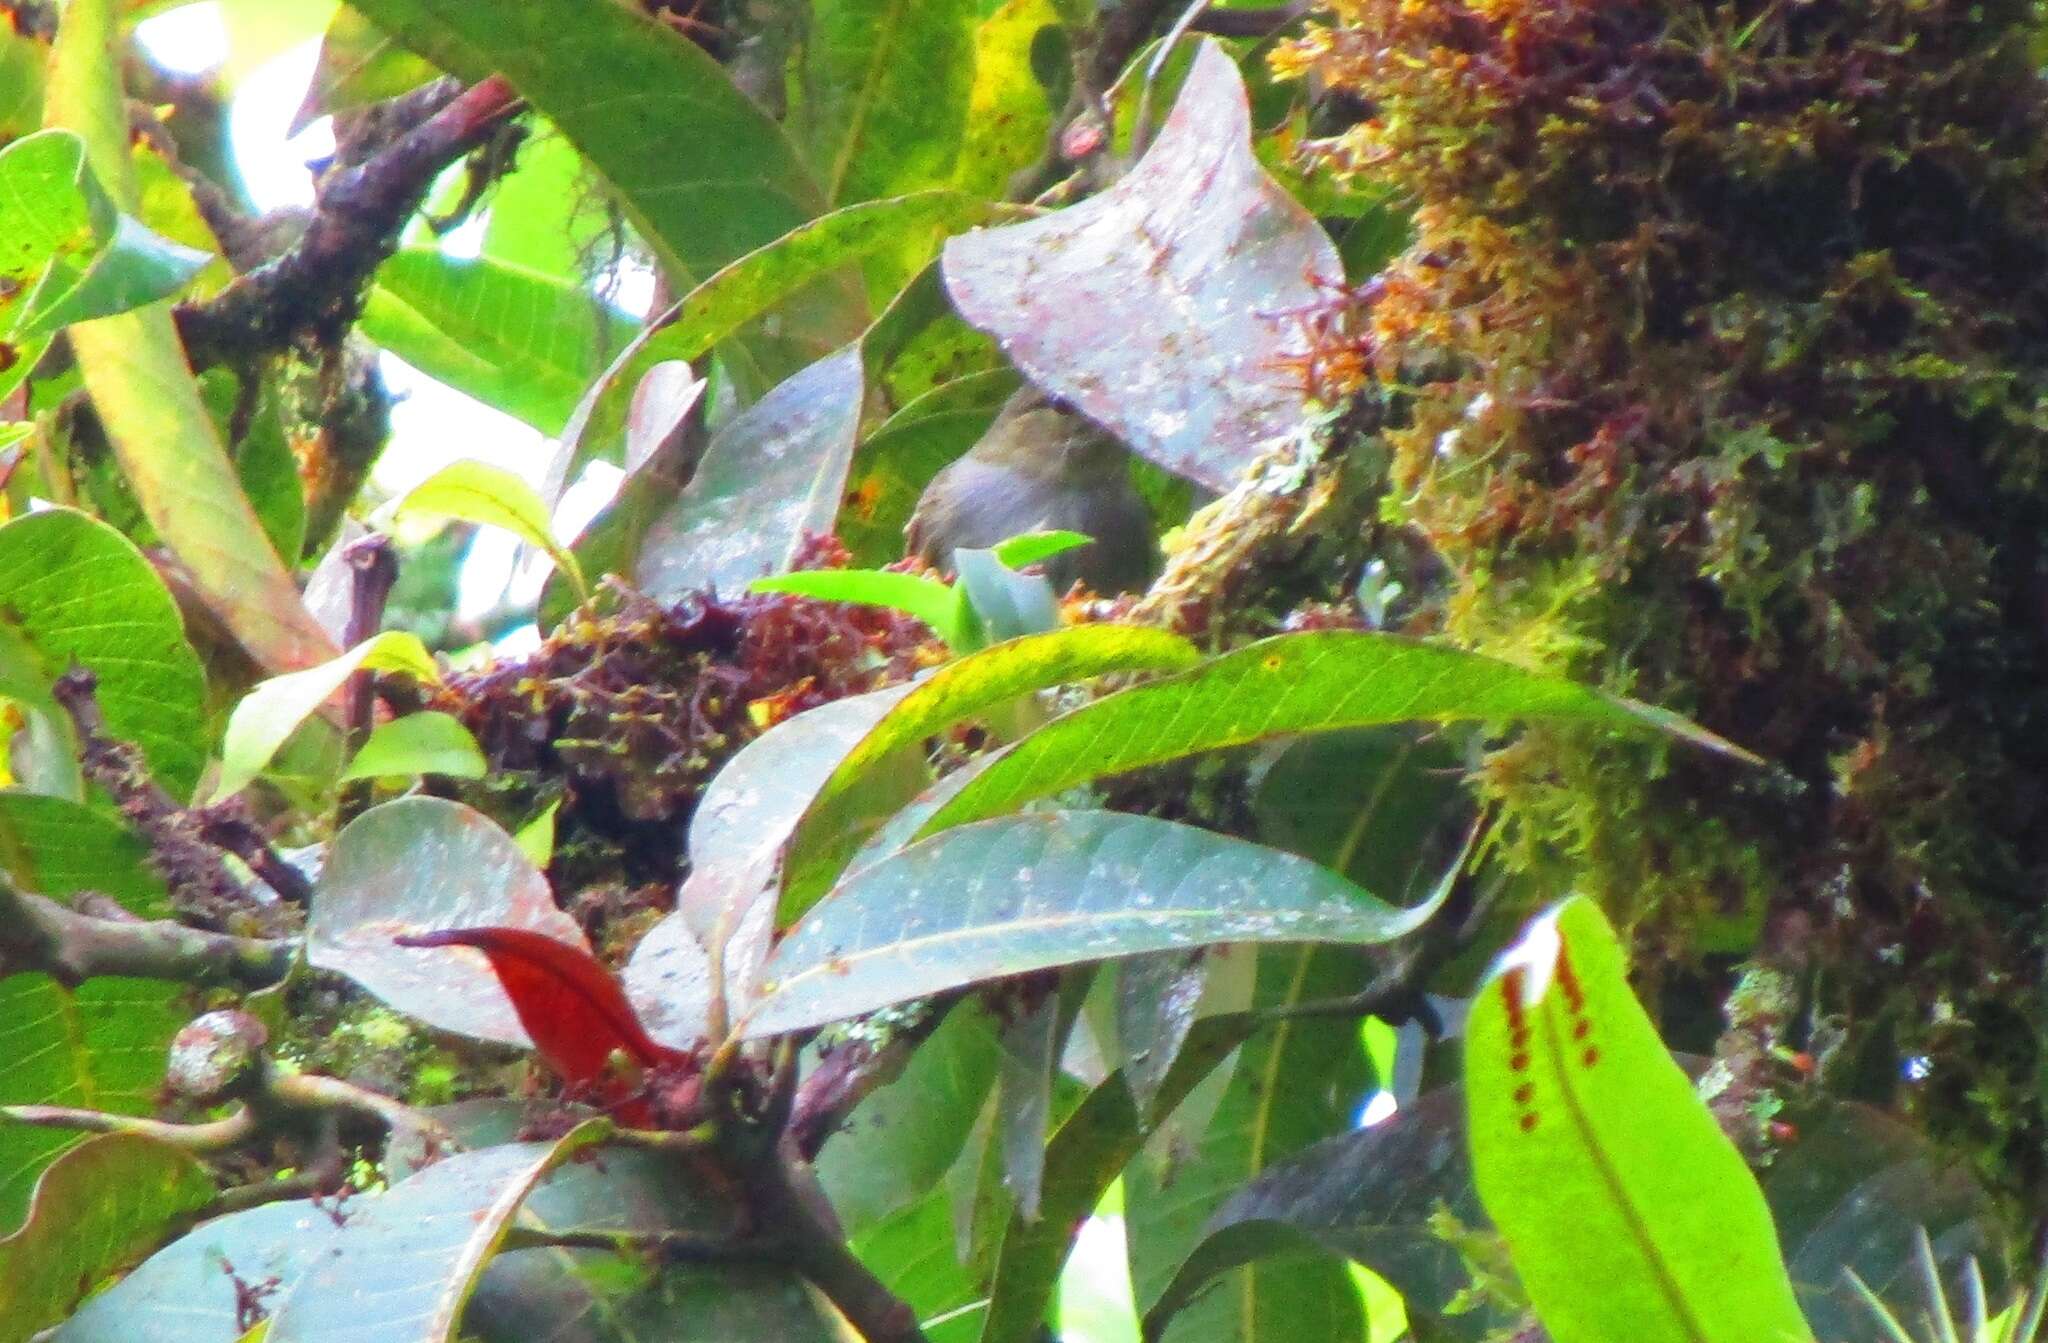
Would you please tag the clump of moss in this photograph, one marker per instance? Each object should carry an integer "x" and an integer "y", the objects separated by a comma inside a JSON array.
[{"x": 1718, "y": 372}]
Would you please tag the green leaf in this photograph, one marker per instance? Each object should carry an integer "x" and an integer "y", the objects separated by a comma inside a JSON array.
[
  {"x": 1313, "y": 682},
  {"x": 263, "y": 459},
  {"x": 1031, "y": 547},
  {"x": 1010, "y": 111},
  {"x": 416, "y": 865},
  {"x": 273, "y": 711},
  {"x": 136, "y": 266},
  {"x": 545, "y": 215},
  {"x": 419, "y": 743},
  {"x": 96, "y": 1209},
  {"x": 274, "y": 1241},
  {"x": 723, "y": 304},
  {"x": 899, "y": 459},
  {"x": 886, "y": 88},
  {"x": 699, "y": 169},
  {"x": 905, "y": 1137},
  {"x": 939, "y": 605},
  {"x": 357, "y": 66},
  {"x": 149, "y": 404},
  {"x": 1087, "y": 1152},
  {"x": 771, "y": 475},
  {"x": 55, "y": 846},
  {"x": 1297, "y": 1082},
  {"x": 99, "y": 1046},
  {"x": 527, "y": 344},
  {"x": 849, "y": 808},
  {"x": 1010, "y": 605},
  {"x": 493, "y": 497},
  {"x": 1628, "y": 1212},
  {"x": 75, "y": 591},
  {"x": 1055, "y": 888},
  {"x": 423, "y": 1244}
]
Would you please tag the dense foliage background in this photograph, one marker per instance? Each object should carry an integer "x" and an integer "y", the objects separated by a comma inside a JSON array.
[{"x": 499, "y": 841}]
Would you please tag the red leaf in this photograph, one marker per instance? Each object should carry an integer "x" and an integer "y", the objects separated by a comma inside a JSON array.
[{"x": 568, "y": 1002}]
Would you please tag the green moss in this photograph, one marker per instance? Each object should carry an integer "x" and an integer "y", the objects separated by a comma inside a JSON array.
[{"x": 1718, "y": 372}]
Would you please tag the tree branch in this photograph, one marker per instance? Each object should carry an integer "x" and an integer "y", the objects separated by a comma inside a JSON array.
[
  {"x": 37, "y": 933},
  {"x": 315, "y": 290}
]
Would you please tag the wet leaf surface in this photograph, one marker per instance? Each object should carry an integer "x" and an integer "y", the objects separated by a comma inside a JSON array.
[
  {"x": 1049, "y": 889},
  {"x": 1190, "y": 260},
  {"x": 417, "y": 865}
]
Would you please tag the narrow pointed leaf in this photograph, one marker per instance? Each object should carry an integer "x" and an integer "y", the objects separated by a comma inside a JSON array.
[
  {"x": 1024, "y": 1100},
  {"x": 404, "y": 1266},
  {"x": 270, "y": 713},
  {"x": 1628, "y": 1212},
  {"x": 849, "y": 808},
  {"x": 417, "y": 865},
  {"x": 1292, "y": 683},
  {"x": 939, "y": 605},
  {"x": 145, "y": 396},
  {"x": 1186, "y": 259},
  {"x": 1049, "y": 889},
  {"x": 98, "y": 1208}
]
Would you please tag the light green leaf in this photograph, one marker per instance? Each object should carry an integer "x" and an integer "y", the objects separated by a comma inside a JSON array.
[
  {"x": 136, "y": 266},
  {"x": 1027, "y": 893},
  {"x": 886, "y": 88},
  {"x": 536, "y": 839},
  {"x": 1628, "y": 1212},
  {"x": 422, "y": 1244},
  {"x": 419, "y": 743},
  {"x": 1312, "y": 682},
  {"x": 357, "y": 66},
  {"x": 526, "y": 343},
  {"x": 96, "y": 1209},
  {"x": 135, "y": 370},
  {"x": 100, "y": 1046},
  {"x": 272, "y": 711},
  {"x": 547, "y": 214},
  {"x": 1031, "y": 547},
  {"x": 494, "y": 497},
  {"x": 1010, "y": 111},
  {"x": 850, "y": 808},
  {"x": 54, "y": 846},
  {"x": 77, "y": 591},
  {"x": 939, "y": 605}
]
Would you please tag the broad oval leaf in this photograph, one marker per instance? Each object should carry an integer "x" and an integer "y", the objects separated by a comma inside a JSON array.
[
  {"x": 1312, "y": 682},
  {"x": 526, "y": 344},
  {"x": 100, "y": 1045},
  {"x": 269, "y": 714},
  {"x": 418, "y": 865},
  {"x": 770, "y": 475},
  {"x": 1628, "y": 1212},
  {"x": 96, "y": 1209},
  {"x": 429, "y": 742},
  {"x": 1188, "y": 259},
  {"x": 169, "y": 451},
  {"x": 849, "y": 808},
  {"x": 736, "y": 838},
  {"x": 73, "y": 590},
  {"x": 55, "y": 847},
  {"x": 275, "y": 1241},
  {"x": 478, "y": 492},
  {"x": 1033, "y": 892},
  {"x": 405, "y": 1264}
]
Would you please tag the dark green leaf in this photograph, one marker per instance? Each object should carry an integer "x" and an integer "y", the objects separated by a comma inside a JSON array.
[
  {"x": 55, "y": 846},
  {"x": 1049, "y": 889},
  {"x": 1628, "y": 1212},
  {"x": 96, "y": 1209},
  {"x": 886, "y": 87},
  {"x": 1312, "y": 682},
  {"x": 73, "y": 590},
  {"x": 849, "y": 808}
]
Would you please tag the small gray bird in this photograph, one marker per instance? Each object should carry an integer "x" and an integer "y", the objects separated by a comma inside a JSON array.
[{"x": 1041, "y": 467}]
